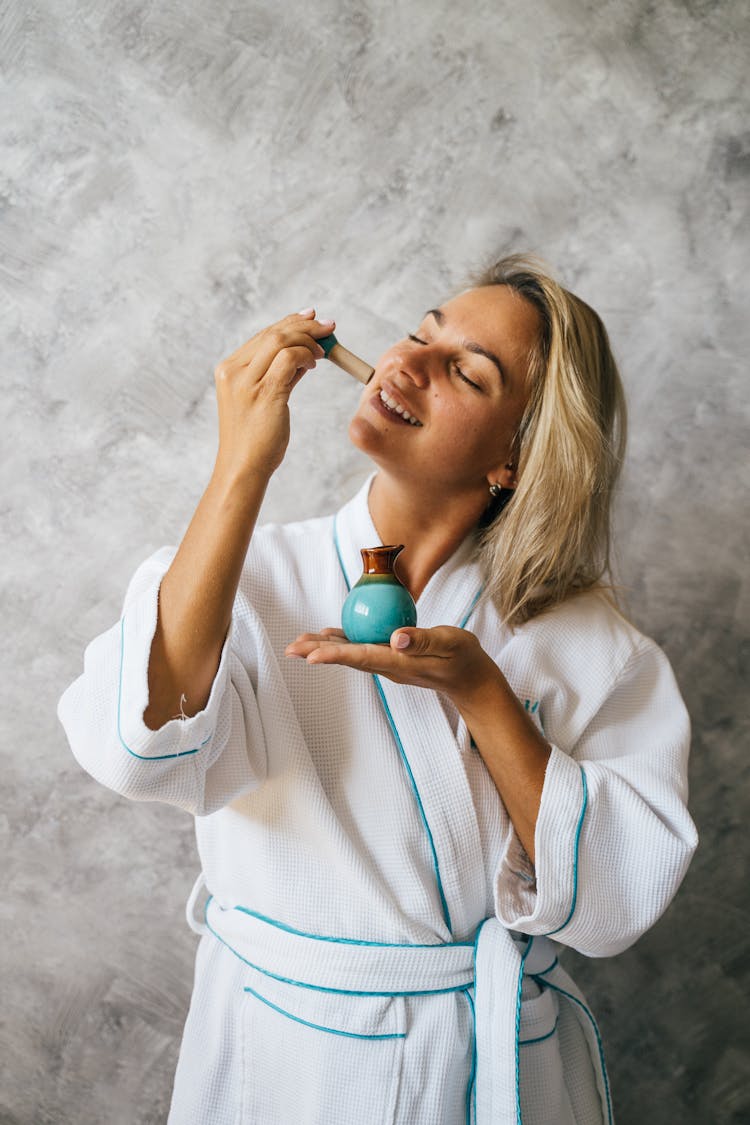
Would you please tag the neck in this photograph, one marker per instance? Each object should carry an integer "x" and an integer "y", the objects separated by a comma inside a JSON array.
[{"x": 431, "y": 527}]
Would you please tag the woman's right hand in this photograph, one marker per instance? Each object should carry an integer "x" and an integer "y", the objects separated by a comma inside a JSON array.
[{"x": 253, "y": 386}]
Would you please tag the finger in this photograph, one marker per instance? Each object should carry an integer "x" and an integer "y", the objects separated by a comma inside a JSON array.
[
  {"x": 300, "y": 648},
  {"x": 318, "y": 636},
  {"x": 297, "y": 322},
  {"x": 315, "y": 325},
  {"x": 310, "y": 317},
  {"x": 261, "y": 355},
  {"x": 287, "y": 368},
  {"x": 441, "y": 641},
  {"x": 373, "y": 659},
  {"x": 303, "y": 646},
  {"x": 368, "y": 658},
  {"x": 294, "y": 329}
]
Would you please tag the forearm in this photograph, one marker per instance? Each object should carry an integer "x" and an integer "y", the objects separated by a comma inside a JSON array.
[
  {"x": 196, "y": 597},
  {"x": 512, "y": 748}
]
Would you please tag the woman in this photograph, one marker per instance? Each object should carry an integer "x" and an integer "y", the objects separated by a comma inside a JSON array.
[{"x": 389, "y": 842}]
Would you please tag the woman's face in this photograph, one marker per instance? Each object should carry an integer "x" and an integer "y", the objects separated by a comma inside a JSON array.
[{"x": 462, "y": 376}]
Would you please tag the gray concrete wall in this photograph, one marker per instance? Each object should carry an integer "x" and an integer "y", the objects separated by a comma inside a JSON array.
[{"x": 176, "y": 175}]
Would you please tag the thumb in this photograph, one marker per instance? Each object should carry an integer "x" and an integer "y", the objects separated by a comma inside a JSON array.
[{"x": 411, "y": 640}]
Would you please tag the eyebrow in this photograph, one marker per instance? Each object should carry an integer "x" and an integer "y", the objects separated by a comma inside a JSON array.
[{"x": 470, "y": 345}]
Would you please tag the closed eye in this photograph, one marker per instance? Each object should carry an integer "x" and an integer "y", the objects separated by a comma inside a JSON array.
[
  {"x": 466, "y": 379},
  {"x": 455, "y": 366}
]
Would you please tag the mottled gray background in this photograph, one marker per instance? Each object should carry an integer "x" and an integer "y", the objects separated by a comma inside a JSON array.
[{"x": 176, "y": 175}]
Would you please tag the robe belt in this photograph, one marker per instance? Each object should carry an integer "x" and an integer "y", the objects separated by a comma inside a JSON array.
[
  {"x": 348, "y": 965},
  {"x": 494, "y": 965}
]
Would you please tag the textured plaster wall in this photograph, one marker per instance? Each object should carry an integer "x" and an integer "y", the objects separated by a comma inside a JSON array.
[{"x": 175, "y": 176}]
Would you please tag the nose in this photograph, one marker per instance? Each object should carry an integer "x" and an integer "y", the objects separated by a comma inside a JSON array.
[{"x": 416, "y": 362}]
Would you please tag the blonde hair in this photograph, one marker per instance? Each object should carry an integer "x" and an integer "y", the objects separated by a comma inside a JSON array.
[{"x": 553, "y": 538}]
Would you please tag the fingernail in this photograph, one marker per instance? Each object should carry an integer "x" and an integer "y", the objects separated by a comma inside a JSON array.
[
  {"x": 306, "y": 312},
  {"x": 403, "y": 640},
  {"x": 325, "y": 320}
]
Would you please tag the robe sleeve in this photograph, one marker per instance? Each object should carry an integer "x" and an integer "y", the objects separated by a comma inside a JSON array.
[
  {"x": 197, "y": 763},
  {"x": 613, "y": 837}
]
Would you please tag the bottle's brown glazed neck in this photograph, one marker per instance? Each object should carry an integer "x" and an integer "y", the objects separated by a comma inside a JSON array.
[{"x": 380, "y": 560}]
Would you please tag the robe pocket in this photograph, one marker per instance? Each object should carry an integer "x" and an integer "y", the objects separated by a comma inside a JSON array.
[
  {"x": 544, "y": 1096},
  {"x": 311, "y": 1056}
]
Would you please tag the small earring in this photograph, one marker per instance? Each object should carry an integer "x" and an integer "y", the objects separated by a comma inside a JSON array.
[{"x": 499, "y": 499}]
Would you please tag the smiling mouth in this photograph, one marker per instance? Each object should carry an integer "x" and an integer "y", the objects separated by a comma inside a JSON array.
[{"x": 392, "y": 407}]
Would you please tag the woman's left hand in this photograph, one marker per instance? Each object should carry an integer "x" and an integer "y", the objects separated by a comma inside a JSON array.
[{"x": 445, "y": 658}]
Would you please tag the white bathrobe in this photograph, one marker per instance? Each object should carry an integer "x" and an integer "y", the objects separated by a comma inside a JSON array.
[{"x": 375, "y": 943}]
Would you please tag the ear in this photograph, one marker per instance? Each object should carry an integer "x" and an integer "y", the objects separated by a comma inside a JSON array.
[{"x": 505, "y": 476}]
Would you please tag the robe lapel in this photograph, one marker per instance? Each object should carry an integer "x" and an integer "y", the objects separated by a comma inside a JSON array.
[{"x": 432, "y": 751}]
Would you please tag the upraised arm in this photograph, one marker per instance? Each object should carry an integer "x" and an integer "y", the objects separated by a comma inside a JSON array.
[{"x": 253, "y": 386}]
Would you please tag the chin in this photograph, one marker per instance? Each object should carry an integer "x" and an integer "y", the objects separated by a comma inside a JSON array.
[
  {"x": 368, "y": 440},
  {"x": 362, "y": 434}
]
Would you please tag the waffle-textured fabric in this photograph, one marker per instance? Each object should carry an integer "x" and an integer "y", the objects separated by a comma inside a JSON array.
[{"x": 374, "y": 946}]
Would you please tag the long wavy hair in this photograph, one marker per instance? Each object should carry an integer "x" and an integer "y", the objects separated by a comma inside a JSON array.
[{"x": 552, "y": 539}]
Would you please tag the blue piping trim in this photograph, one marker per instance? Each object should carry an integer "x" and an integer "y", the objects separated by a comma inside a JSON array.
[
  {"x": 517, "y": 1036},
  {"x": 473, "y": 1012},
  {"x": 347, "y": 941},
  {"x": 399, "y": 744},
  {"x": 145, "y": 757},
  {"x": 472, "y": 607},
  {"x": 320, "y": 1027},
  {"x": 549, "y": 969},
  {"x": 602, "y": 1063},
  {"x": 470, "y": 1089},
  {"x": 584, "y": 803},
  {"x": 321, "y": 988},
  {"x": 539, "y": 1038},
  {"x": 420, "y": 806}
]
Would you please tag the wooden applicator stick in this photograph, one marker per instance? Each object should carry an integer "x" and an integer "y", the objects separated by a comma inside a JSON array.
[{"x": 346, "y": 360}]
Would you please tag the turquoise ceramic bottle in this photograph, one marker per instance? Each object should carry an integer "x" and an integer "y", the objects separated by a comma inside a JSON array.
[{"x": 379, "y": 602}]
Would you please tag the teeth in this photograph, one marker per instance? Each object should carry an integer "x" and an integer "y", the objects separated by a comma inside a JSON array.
[{"x": 397, "y": 409}]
